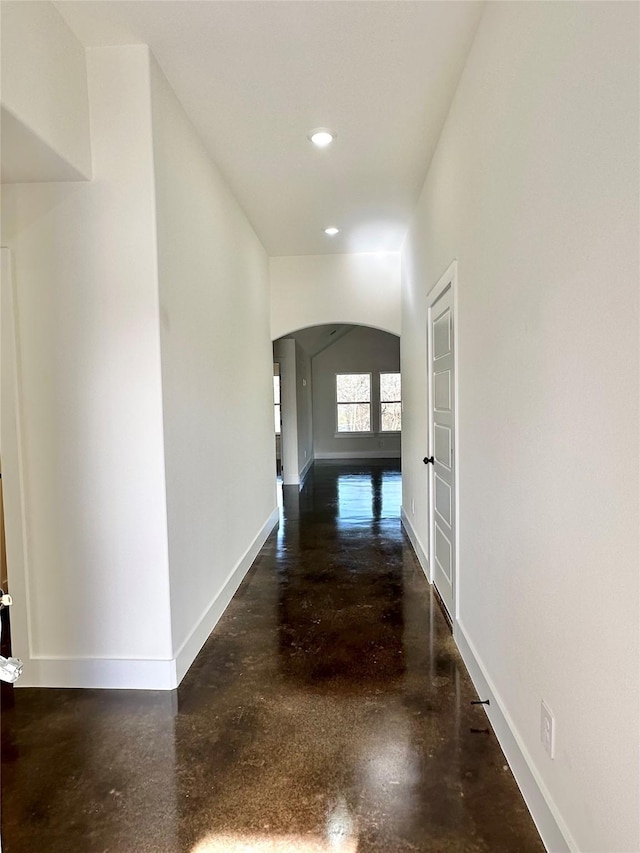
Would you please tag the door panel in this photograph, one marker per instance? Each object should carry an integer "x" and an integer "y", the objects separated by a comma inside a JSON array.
[
  {"x": 442, "y": 499},
  {"x": 442, "y": 391},
  {"x": 443, "y": 552},
  {"x": 442, "y": 335},
  {"x": 442, "y": 445}
]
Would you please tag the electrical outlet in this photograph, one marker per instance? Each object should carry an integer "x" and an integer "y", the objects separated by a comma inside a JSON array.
[
  {"x": 547, "y": 730},
  {"x": 305, "y": 454},
  {"x": 413, "y": 507}
]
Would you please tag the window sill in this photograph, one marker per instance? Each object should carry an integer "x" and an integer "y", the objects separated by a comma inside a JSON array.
[
  {"x": 354, "y": 435},
  {"x": 366, "y": 434}
]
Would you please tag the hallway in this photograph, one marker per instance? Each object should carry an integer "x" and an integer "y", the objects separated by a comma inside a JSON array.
[{"x": 329, "y": 710}]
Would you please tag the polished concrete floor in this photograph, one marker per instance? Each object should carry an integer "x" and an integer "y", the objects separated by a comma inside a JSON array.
[{"x": 329, "y": 711}]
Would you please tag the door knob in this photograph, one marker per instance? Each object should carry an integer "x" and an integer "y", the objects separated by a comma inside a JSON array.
[{"x": 428, "y": 459}]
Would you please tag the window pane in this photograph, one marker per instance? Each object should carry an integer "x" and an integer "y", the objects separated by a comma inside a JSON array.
[
  {"x": 354, "y": 417},
  {"x": 353, "y": 387},
  {"x": 276, "y": 414},
  {"x": 276, "y": 389},
  {"x": 390, "y": 387},
  {"x": 390, "y": 417}
]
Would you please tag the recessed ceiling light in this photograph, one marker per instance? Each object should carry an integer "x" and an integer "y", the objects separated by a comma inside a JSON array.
[
  {"x": 332, "y": 231},
  {"x": 321, "y": 137}
]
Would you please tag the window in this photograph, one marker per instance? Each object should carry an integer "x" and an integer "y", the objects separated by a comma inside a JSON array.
[
  {"x": 353, "y": 400},
  {"x": 276, "y": 398},
  {"x": 390, "y": 402}
]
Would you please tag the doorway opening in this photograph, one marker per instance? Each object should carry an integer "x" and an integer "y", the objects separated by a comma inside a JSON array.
[{"x": 338, "y": 397}]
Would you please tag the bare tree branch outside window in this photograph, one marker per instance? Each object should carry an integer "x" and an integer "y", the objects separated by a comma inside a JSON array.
[
  {"x": 353, "y": 395},
  {"x": 390, "y": 402},
  {"x": 276, "y": 403}
]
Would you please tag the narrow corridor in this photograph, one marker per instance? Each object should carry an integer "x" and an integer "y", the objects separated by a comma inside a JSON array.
[{"x": 328, "y": 711}]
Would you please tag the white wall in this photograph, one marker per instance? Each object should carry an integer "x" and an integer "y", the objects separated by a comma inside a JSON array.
[
  {"x": 143, "y": 335},
  {"x": 317, "y": 289},
  {"x": 295, "y": 409},
  {"x": 534, "y": 189},
  {"x": 284, "y": 352},
  {"x": 11, "y": 432},
  {"x": 45, "y": 105},
  {"x": 88, "y": 334},
  {"x": 216, "y": 377},
  {"x": 362, "y": 350},
  {"x": 304, "y": 410}
]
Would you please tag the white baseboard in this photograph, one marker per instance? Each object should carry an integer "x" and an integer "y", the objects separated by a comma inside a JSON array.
[
  {"x": 305, "y": 471},
  {"x": 145, "y": 674},
  {"x": 553, "y": 831},
  {"x": 108, "y": 673},
  {"x": 546, "y": 816},
  {"x": 359, "y": 454},
  {"x": 421, "y": 554},
  {"x": 189, "y": 649}
]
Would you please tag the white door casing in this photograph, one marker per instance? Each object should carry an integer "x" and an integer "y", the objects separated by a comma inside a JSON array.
[
  {"x": 14, "y": 493},
  {"x": 442, "y": 440}
]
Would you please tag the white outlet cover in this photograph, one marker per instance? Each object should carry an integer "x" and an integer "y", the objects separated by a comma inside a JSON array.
[{"x": 547, "y": 729}]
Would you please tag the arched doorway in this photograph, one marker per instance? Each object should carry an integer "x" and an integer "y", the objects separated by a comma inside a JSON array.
[{"x": 339, "y": 396}]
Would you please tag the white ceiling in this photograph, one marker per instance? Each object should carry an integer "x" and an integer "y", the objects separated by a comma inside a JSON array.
[{"x": 255, "y": 77}]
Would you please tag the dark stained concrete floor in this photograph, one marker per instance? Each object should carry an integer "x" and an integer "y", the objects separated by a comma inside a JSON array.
[{"x": 328, "y": 711}]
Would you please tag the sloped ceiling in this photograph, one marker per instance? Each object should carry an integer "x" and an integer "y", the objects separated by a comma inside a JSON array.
[{"x": 317, "y": 338}]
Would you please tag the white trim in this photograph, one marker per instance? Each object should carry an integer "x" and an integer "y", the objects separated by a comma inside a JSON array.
[
  {"x": 362, "y": 434},
  {"x": 368, "y": 402},
  {"x": 379, "y": 434},
  {"x": 421, "y": 554},
  {"x": 189, "y": 649},
  {"x": 546, "y": 815},
  {"x": 13, "y": 464},
  {"x": 112, "y": 673},
  {"x": 359, "y": 454},
  {"x": 145, "y": 674},
  {"x": 303, "y": 474},
  {"x": 448, "y": 279}
]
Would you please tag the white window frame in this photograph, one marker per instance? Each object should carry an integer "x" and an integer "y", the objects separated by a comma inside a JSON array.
[
  {"x": 368, "y": 402},
  {"x": 278, "y": 405},
  {"x": 381, "y": 401}
]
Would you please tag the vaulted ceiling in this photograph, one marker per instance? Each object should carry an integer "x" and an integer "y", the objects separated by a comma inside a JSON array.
[
  {"x": 315, "y": 339},
  {"x": 256, "y": 77}
]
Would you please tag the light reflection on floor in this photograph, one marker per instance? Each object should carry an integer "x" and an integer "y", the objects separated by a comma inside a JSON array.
[
  {"x": 272, "y": 844},
  {"x": 365, "y": 499},
  {"x": 328, "y": 711},
  {"x": 340, "y": 831}
]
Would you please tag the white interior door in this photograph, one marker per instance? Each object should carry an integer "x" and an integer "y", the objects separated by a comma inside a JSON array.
[{"x": 441, "y": 459}]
